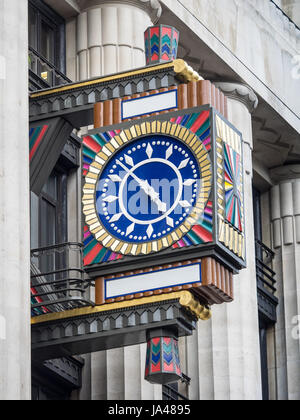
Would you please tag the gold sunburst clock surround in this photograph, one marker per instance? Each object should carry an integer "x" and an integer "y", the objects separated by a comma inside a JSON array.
[{"x": 147, "y": 187}]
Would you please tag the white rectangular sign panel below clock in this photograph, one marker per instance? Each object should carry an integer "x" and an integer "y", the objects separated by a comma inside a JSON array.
[
  {"x": 170, "y": 277},
  {"x": 164, "y": 101}
]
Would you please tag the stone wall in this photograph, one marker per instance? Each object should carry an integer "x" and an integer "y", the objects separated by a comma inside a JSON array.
[
  {"x": 14, "y": 204},
  {"x": 255, "y": 39}
]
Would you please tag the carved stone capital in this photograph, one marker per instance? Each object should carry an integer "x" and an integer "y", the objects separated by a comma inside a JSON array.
[
  {"x": 285, "y": 173},
  {"x": 285, "y": 205},
  {"x": 240, "y": 92},
  {"x": 152, "y": 7}
]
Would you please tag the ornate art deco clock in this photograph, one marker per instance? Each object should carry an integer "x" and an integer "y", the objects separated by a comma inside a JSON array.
[
  {"x": 162, "y": 185},
  {"x": 150, "y": 188}
]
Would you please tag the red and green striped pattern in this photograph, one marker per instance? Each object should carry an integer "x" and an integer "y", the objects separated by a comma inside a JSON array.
[{"x": 36, "y": 136}]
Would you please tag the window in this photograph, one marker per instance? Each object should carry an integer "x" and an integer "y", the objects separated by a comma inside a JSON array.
[
  {"x": 267, "y": 302},
  {"x": 57, "y": 277},
  {"x": 46, "y": 38},
  {"x": 263, "y": 331},
  {"x": 49, "y": 220},
  {"x": 53, "y": 210},
  {"x": 48, "y": 42}
]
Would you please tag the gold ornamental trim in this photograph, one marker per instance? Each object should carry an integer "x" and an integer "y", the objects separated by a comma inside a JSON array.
[
  {"x": 184, "y": 72},
  {"x": 186, "y": 299}
]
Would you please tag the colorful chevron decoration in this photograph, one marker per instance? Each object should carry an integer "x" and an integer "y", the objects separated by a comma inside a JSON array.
[
  {"x": 166, "y": 39},
  {"x": 36, "y": 136},
  {"x": 233, "y": 194},
  {"x": 198, "y": 123},
  {"x": 162, "y": 360},
  {"x": 161, "y": 44},
  {"x": 175, "y": 44}
]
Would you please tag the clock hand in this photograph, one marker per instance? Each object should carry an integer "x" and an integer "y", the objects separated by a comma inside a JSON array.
[
  {"x": 142, "y": 184},
  {"x": 154, "y": 196},
  {"x": 162, "y": 207}
]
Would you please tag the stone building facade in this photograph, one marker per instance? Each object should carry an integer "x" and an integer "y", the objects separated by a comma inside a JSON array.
[{"x": 251, "y": 51}]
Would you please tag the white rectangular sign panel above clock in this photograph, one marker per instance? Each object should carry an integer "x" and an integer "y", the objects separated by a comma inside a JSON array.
[
  {"x": 153, "y": 280},
  {"x": 146, "y": 105}
]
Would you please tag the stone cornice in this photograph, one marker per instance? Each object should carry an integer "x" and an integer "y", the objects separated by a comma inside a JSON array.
[
  {"x": 152, "y": 7},
  {"x": 79, "y": 98},
  {"x": 186, "y": 299},
  {"x": 240, "y": 92},
  {"x": 104, "y": 328},
  {"x": 155, "y": 9},
  {"x": 285, "y": 173}
]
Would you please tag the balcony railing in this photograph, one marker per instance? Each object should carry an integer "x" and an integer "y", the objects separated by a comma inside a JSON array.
[
  {"x": 170, "y": 391},
  {"x": 266, "y": 283},
  {"x": 265, "y": 275},
  {"x": 57, "y": 279},
  {"x": 43, "y": 74}
]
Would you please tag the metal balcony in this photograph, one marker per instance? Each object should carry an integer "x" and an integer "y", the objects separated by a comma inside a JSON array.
[
  {"x": 170, "y": 391},
  {"x": 43, "y": 74},
  {"x": 266, "y": 283},
  {"x": 57, "y": 279}
]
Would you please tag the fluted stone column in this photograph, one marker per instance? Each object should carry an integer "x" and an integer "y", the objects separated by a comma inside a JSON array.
[
  {"x": 285, "y": 214},
  {"x": 14, "y": 204},
  {"x": 109, "y": 39},
  {"x": 119, "y": 375},
  {"x": 223, "y": 357},
  {"x": 109, "y": 36}
]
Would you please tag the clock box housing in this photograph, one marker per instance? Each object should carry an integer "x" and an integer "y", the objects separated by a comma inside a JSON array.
[{"x": 161, "y": 190}]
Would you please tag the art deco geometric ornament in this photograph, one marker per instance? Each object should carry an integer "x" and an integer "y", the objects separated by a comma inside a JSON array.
[
  {"x": 146, "y": 189},
  {"x": 162, "y": 361},
  {"x": 161, "y": 44},
  {"x": 164, "y": 185}
]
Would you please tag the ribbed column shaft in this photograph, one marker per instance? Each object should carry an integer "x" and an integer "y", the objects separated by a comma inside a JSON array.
[
  {"x": 223, "y": 358},
  {"x": 15, "y": 375},
  {"x": 109, "y": 39},
  {"x": 119, "y": 375},
  {"x": 285, "y": 214}
]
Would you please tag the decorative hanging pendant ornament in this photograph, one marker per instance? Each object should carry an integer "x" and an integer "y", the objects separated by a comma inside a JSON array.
[
  {"x": 162, "y": 361},
  {"x": 161, "y": 44}
]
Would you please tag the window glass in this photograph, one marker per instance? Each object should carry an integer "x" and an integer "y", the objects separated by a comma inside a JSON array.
[
  {"x": 32, "y": 28},
  {"x": 50, "y": 213},
  {"x": 48, "y": 223},
  {"x": 50, "y": 188},
  {"x": 53, "y": 210},
  {"x": 34, "y": 214},
  {"x": 46, "y": 36},
  {"x": 47, "y": 42}
]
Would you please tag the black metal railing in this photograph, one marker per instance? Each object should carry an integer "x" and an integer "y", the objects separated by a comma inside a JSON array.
[
  {"x": 43, "y": 74},
  {"x": 265, "y": 275},
  {"x": 266, "y": 282},
  {"x": 170, "y": 391},
  {"x": 57, "y": 279}
]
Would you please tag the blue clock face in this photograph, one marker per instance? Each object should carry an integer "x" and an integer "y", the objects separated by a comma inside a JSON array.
[{"x": 147, "y": 189}]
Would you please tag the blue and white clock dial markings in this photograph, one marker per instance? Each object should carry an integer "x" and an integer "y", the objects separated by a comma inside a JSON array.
[{"x": 147, "y": 189}]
